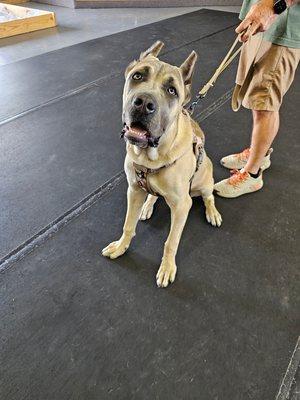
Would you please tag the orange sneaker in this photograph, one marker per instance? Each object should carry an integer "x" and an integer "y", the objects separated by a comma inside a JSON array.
[
  {"x": 240, "y": 182},
  {"x": 239, "y": 160}
]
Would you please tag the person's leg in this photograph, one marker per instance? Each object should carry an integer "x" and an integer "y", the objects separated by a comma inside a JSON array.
[
  {"x": 249, "y": 178},
  {"x": 272, "y": 76},
  {"x": 265, "y": 128}
]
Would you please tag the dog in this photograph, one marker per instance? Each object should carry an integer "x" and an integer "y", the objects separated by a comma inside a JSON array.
[{"x": 165, "y": 153}]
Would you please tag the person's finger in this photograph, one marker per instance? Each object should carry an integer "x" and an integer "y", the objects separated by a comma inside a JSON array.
[
  {"x": 253, "y": 29},
  {"x": 250, "y": 31},
  {"x": 243, "y": 33},
  {"x": 243, "y": 25}
]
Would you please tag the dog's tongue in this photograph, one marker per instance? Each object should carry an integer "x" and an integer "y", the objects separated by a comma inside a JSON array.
[{"x": 137, "y": 133}]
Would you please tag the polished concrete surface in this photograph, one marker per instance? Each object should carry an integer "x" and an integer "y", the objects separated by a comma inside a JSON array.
[
  {"x": 75, "y": 26},
  {"x": 75, "y": 325}
]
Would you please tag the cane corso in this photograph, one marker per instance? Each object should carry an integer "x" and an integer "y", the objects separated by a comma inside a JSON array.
[{"x": 165, "y": 152}]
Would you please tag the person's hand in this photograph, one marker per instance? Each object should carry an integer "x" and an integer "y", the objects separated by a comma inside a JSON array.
[{"x": 259, "y": 19}]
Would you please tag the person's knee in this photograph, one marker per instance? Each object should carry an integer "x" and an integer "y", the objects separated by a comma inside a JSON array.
[{"x": 259, "y": 115}]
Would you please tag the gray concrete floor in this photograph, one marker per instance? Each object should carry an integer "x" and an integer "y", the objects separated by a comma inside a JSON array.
[{"x": 80, "y": 25}]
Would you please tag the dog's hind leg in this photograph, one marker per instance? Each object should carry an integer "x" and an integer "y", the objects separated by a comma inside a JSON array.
[
  {"x": 148, "y": 206},
  {"x": 212, "y": 214},
  {"x": 204, "y": 185}
]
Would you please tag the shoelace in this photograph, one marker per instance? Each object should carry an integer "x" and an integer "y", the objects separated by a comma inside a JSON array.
[
  {"x": 244, "y": 155},
  {"x": 237, "y": 177}
]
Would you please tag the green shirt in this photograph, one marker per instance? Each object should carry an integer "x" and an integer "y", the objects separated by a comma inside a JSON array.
[{"x": 285, "y": 31}]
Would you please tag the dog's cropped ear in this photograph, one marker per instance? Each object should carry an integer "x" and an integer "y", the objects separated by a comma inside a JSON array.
[
  {"x": 187, "y": 71},
  {"x": 187, "y": 68},
  {"x": 154, "y": 50}
]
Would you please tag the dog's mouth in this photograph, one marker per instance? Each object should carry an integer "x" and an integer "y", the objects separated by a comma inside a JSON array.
[{"x": 136, "y": 133}]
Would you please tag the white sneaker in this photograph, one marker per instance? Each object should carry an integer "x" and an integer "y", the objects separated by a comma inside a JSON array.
[
  {"x": 239, "y": 160},
  {"x": 240, "y": 182}
]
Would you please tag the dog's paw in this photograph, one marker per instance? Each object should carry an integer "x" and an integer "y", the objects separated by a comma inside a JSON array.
[
  {"x": 166, "y": 273},
  {"x": 147, "y": 211},
  {"x": 148, "y": 207},
  {"x": 213, "y": 216},
  {"x": 114, "y": 249}
]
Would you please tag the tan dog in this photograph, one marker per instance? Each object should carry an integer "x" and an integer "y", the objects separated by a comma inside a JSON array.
[{"x": 165, "y": 155}]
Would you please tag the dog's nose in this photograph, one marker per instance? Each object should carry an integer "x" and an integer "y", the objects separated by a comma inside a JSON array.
[{"x": 144, "y": 103}]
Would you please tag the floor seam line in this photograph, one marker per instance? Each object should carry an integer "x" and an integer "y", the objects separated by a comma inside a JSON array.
[
  {"x": 94, "y": 83},
  {"x": 75, "y": 211},
  {"x": 197, "y": 40},
  {"x": 214, "y": 106},
  {"x": 42, "y": 235},
  {"x": 290, "y": 373},
  {"x": 56, "y": 99}
]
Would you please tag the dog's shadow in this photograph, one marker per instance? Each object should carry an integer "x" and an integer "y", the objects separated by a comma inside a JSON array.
[{"x": 145, "y": 270}]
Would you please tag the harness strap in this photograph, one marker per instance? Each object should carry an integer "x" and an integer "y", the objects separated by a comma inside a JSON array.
[
  {"x": 142, "y": 173},
  {"x": 198, "y": 148}
]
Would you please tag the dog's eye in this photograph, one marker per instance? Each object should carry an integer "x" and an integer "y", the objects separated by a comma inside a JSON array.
[
  {"x": 137, "y": 76},
  {"x": 172, "y": 91}
]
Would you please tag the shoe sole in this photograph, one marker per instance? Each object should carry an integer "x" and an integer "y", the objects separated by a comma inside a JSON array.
[{"x": 233, "y": 197}]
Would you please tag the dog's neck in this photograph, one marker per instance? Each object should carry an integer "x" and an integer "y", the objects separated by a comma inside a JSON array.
[{"x": 172, "y": 145}]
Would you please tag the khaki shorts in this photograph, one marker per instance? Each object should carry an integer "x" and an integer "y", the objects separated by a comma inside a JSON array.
[{"x": 265, "y": 73}]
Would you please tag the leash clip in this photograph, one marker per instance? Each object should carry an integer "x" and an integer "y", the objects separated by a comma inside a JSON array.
[
  {"x": 194, "y": 103},
  {"x": 230, "y": 56}
]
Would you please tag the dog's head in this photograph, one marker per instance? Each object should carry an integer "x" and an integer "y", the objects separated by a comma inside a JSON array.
[{"x": 154, "y": 94}]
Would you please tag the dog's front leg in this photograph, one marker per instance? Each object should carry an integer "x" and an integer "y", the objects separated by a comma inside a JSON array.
[
  {"x": 180, "y": 208},
  {"x": 135, "y": 199}
]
